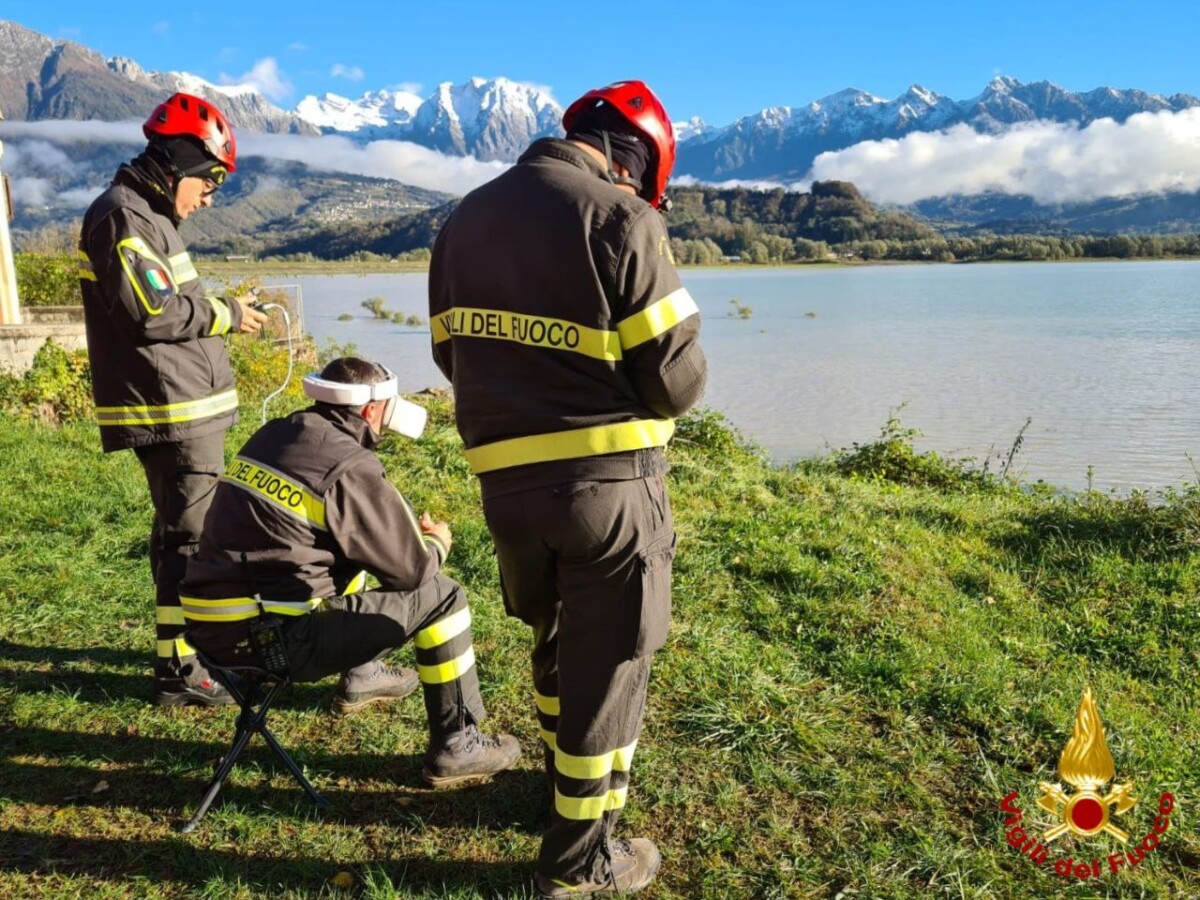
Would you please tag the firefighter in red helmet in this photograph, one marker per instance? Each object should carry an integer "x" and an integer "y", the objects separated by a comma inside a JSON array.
[
  {"x": 160, "y": 374},
  {"x": 558, "y": 315}
]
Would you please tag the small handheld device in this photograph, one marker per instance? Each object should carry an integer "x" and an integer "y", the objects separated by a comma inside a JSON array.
[{"x": 266, "y": 633}]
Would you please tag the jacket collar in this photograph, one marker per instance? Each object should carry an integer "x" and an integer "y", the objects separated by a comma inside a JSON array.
[
  {"x": 557, "y": 148},
  {"x": 349, "y": 422},
  {"x": 146, "y": 180}
]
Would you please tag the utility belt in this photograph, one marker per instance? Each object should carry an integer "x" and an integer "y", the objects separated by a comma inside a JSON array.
[
  {"x": 260, "y": 643},
  {"x": 237, "y": 609}
]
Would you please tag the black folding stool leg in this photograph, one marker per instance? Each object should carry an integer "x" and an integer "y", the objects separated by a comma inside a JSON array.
[{"x": 244, "y": 683}]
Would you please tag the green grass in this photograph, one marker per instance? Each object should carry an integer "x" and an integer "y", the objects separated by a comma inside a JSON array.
[{"x": 868, "y": 653}]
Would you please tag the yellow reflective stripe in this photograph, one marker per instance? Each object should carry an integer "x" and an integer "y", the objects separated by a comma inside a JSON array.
[
  {"x": 532, "y": 331},
  {"x": 235, "y": 609},
  {"x": 447, "y": 671},
  {"x": 595, "y": 441},
  {"x": 168, "y": 649},
  {"x": 182, "y": 268},
  {"x": 222, "y": 317},
  {"x": 549, "y": 705},
  {"x": 443, "y": 630},
  {"x": 357, "y": 584},
  {"x": 584, "y": 808},
  {"x": 138, "y": 246},
  {"x": 585, "y": 767},
  {"x": 184, "y": 411},
  {"x": 299, "y": 608},
  {"x": 550, "y": 738},
  {"x": 661, "y": 316},
  {"x": 278, "y": 489},
  {"x": 169, "y": 615},
  {"x": 84, "y": 265}
]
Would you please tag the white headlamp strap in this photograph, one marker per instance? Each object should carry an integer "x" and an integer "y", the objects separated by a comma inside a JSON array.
[
  {"x": 358, "y": 395},
  {"x": 399, "y": 415}
]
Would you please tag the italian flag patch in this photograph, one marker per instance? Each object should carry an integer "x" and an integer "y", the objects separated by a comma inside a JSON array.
[{"x": 158, "y": 279}]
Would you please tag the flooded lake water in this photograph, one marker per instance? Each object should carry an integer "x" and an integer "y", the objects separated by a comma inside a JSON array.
[{"x": 1103, "y": 357}]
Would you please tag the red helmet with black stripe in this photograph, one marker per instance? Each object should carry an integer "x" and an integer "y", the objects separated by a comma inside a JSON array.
[
  {"x": 187, "y": 114},
  {"x": 637, "y": 105}
]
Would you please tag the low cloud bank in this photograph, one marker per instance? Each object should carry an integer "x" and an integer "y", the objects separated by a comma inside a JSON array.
[
  {"x": 1053, "y": 163},
  {"x": 409, "y": 163}
]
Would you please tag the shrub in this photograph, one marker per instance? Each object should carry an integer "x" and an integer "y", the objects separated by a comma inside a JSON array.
[
  {"x": 47, "y": 279},
  {"x": 56, "y": 389},
  {"x": 892, "y": 457}
]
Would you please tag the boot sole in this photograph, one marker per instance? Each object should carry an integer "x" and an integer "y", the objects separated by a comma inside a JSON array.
[
  {"x": 442, "y": 782},
  {"x": 342, "y": 706}
]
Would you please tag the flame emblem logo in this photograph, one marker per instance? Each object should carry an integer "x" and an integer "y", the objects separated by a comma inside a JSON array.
[{"x": 1086, "y": 765}]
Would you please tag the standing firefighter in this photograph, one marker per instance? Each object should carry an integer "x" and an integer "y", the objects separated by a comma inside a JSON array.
[
  {"x": 160, "y": 375},
  {"x": 559, "y": 317},
  {"x": 306, "y": 506}
]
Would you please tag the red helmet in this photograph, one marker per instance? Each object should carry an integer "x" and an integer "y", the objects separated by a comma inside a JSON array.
[
  {"x": 637, "y": 105},
  {"x": 186, "y": 114}
]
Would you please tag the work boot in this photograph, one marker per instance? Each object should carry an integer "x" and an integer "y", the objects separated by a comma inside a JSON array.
[
  {"x": 468, "y": 755},
  {"x": 374, "y": 682},
  {"x": 634, "y": 865},
  {"x": 179, "y": 692}
]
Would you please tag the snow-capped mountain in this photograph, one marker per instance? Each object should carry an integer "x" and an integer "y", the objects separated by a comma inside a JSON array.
[
  {"x": 41, "y": 78},
  {"x": 781, "y": 142},
  {"x": 376, "y": 109},
  {"x": 487, "y": 118}
]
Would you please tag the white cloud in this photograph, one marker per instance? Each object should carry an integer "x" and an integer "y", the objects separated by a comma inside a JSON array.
[
  {"x": 405, "y": 162},
  {"x": 37, "y": 156},
  {"x": 350, "y": 73},
  {"x": 31, "y": 191},
  {"x": 400, "y": 160},
  {"x": 297, "y": 47},
  {"x": 409, "y": 87},
  {"x": 265, "y": 77},
  {"x": 1054, "y": 163},
  {"x": 79, "y": 198},
  {"x": 161, "y": 28},
  {"x": 65, "y": 131}
]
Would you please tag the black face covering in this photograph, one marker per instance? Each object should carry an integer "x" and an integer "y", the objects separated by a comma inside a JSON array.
[
  {"x": 184, "y": 157},
  {"x": 626, "y": 146}
]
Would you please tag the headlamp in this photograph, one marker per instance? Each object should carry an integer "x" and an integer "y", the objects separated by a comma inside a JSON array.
[{"x": 399, "y": 415}]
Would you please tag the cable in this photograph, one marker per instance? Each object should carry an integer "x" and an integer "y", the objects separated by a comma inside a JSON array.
[{"x": 287, "y": 321}]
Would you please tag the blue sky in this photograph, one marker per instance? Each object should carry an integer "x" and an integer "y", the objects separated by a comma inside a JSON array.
[{"x": 717, "y": 60}]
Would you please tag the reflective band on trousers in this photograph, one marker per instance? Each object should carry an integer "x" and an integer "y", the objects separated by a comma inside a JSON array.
[
  {"x": 588, "y": 767},
  {"x": 235, "y": 609},
  {"x": 447, "y": 671},
  {"x": 167, "y": 649},
  {"x": 584, "y": 808},
  {"x": 276, "y": 488},
  {"x": 548, "y": 705},
  {"x": 184, "y": 411},
  {"x": 169, "y": 615},
  {"x": 443, "y": 630},
  {"x": 596, "y": 441}
]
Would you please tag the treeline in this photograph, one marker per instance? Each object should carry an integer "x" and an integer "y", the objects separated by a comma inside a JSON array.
[{"x": 1026, "y": 247}]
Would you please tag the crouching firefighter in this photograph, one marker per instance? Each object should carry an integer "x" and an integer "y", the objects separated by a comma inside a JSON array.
[{"x": 303, "y": 509}]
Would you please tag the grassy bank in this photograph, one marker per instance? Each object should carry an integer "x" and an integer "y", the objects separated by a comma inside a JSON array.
[{"x": 868, "y": 653}]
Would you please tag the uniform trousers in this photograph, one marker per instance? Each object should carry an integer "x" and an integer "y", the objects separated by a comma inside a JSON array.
[
  {"x": 587, "y": 565},
  {"x": 346, "y": 632},
  {"x": 182, "y": 476}
]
